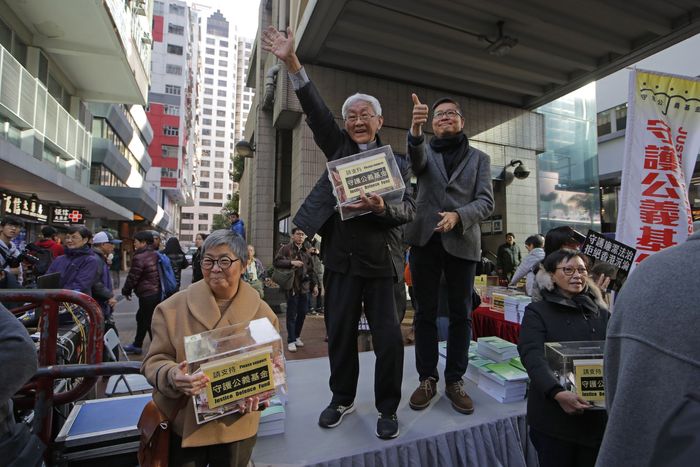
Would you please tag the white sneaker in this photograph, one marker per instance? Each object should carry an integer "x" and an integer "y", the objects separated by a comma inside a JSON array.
[
  {"x": 292, "y": 347},
  {"x": 299, "y": 343}
]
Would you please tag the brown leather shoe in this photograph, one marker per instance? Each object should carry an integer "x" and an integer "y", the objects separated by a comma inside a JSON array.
[
  {"x": 420, "y": 399},
  {"x": 461, "y": 401}
]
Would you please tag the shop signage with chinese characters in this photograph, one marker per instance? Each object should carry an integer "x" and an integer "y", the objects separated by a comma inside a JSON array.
[
  {"x": 61, "y": 215},
  {"x": 24, "y": 207}
]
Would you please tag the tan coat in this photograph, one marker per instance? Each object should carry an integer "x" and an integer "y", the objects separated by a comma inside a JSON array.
[{"x": 188, "y": 312}]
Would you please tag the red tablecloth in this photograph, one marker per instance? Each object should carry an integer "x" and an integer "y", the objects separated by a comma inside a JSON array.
[{"x": 490, "y": 323}]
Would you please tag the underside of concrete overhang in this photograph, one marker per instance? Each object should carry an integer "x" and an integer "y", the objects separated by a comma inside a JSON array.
[{"x": 523, "y": 53}]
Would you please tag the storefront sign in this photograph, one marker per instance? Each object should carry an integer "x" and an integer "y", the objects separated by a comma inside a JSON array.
[
  {"x": 24, "y": 207},
  {"x": 661, "y": 146},
  {"x": 67, "y": 216}
]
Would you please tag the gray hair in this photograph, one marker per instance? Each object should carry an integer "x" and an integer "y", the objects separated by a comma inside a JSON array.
[
  {"x": 229, "y": 238},
  {"x": 371, "y": 100}
]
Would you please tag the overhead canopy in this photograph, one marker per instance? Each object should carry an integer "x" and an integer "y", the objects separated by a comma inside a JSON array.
[{"x": 541, "y": 50}]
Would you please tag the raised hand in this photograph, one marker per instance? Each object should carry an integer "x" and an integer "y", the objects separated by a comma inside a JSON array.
[
  {"x": 281, "y": 46},
  {"x": 420, "y": 116}
]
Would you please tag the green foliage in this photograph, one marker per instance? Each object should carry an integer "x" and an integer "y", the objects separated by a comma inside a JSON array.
[
  {"x": 238, "y": 168},
  {"x": 220, "y": 222}
]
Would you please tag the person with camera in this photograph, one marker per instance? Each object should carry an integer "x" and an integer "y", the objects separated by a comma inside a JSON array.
[{"x": 295, "y": 256}]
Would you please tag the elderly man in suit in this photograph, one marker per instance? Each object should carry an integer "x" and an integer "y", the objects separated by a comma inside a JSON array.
[{"x": 454, "y": 195}]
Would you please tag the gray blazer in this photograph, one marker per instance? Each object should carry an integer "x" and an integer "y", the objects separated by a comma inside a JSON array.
[{"x": 468, "y": 192}]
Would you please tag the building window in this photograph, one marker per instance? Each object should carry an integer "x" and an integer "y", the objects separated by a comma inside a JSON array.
[
  {"x": 220, "y": 113},
  {"x": 209, "y": 71},
  {"x": 218, "y": 185},
  {"x": 186, "y": 226},
  {"x": 218, "y": 196},
  {"x": 175, "y": 49},
  {"x": 203, "y": 216},
  {"x": 220, "y": 134},
  {"x": 223, "y": 63},
  {"x": 604, "y": 124},
  {"x": 204, "y": 173},
  {"x": 208, "y": 80},
  {"x": 173, "y": 69},
  {"x": 223, "y": 73},
  {"x": 187, "y": 215},
  {"x": 206, "y": 132},
  {"x": 204, "y": 195},
  {"x": 208, "y": 101},
  {"x": 222, "y": 82},
  {"x": 171, "y": 109},
  {"x": 169, "y": 151},
  {"x": 221, "y": 93},
  {"x": 204, "y": 227},
  {"x": 175, "y": 29},
  {"x": 206, "y": 111},
  {"x": 172, "y": 89},
  {"x": 203, "y": 184},
  {"x": 220, "y": 144},
  {"x": 221, "y": 123},
  {"x": 208, "y": 91},
  {"x": 219, "y": 164},
  {"x": 171, "y": 131},
  {"x": 204, "y": 164},
  {"x": 620, "y": 117},
  {"x": 177, "y": 9},
  {"x": 223, "y": 53},
  {"x": 206, "y": 121},
  {"x": 210, "y": 41},
  {"x": 223, "y": 43},
  {"x": 206, "y": 142},
  {"x": 210, "y": 51},
  {"x": 218, "y": 175},
  {"x": 208, "y": 61}
]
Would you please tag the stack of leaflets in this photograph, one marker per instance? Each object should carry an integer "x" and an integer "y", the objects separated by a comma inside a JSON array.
[
  {"x": 496, "y": 349},
  {"x": 504, "y": 381},
  {"x": 476, "y": 361},
  {"x": 514, "y": 307},
  {"x": 272, "y": 418}
]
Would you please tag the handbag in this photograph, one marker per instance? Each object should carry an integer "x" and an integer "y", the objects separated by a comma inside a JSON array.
[
  {"x": 154, "y": 436},
  {"x": 283, "y": 277}
]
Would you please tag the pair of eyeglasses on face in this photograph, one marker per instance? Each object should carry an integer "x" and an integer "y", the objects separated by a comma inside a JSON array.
[
  {"x": 224, "y": 262},
  {"x": 569, "y": 271},
  {"x": 447, "y": 113},
  {"x": 354, "y": 118}
]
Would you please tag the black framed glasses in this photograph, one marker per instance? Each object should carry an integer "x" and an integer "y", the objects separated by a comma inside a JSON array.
[
  {"x": 447, "y": 113},
  {"x": 569, "y": 271},
  {"x": 223, "y": 262}
]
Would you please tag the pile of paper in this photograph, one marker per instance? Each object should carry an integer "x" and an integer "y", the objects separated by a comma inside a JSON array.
[
  {"x": 504, "y": 381},
  {"x": 496, "y": 349},
  {"x": 514, "y": 308},
  {"x": 272, "y": 418}
]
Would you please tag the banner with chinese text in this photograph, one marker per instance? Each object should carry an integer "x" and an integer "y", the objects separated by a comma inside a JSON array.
[{"x": 661, "y": 146}]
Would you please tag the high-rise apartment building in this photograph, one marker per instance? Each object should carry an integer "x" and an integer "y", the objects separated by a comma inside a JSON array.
[
  {"x": 170, "y": 102},
  {"x": 223, "y": 103}
]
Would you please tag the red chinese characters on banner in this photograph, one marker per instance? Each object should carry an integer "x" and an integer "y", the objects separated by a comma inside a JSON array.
[{"x": 661, "y": 192}]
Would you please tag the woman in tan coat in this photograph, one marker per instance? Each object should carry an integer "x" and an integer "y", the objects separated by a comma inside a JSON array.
[{"x": 220, "y": 300}]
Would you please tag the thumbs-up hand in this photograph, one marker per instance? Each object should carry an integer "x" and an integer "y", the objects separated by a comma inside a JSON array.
[{"x": 420, "y": 116}]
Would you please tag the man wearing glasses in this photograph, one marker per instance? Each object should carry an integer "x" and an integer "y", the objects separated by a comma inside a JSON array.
[
  {"x": 454, "y": 195},
  {"x": 294, "y": 255},
  {"x": 360, "y": 270}
]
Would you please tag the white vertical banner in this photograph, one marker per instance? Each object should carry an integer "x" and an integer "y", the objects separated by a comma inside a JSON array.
[{"x": 662, "y": 140}]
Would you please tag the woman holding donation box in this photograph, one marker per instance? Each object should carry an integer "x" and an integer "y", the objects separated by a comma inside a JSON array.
[
  {"x": 221, "y": 299},
  {"x": 565, "y": 429}
]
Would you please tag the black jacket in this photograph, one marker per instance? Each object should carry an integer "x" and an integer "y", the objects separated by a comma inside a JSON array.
[
  {"x": 365, "y": 245},
  {"x": 558, "y": 319},
  {"x": 178, "y": 262},
  {"x": 143, "y": 277}
]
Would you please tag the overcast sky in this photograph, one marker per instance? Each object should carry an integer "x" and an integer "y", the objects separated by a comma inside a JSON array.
[{"x": 243, "y": 13}]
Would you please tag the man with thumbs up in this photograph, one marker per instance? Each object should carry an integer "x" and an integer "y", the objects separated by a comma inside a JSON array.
[{"x": 454, "y": 196}]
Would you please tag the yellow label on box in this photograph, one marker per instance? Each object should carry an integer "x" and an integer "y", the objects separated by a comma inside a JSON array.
[
  {"x": 498, "y": 302},
  {"x": 371, "y": 174},
  {"x": 589, "y": 381},
  {"x": 238, "y": 377}
]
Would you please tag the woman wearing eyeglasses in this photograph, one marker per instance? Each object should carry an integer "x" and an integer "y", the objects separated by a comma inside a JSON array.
[
  {"x": 564, "y": 428},
  {"x": 220, "y": 300}
]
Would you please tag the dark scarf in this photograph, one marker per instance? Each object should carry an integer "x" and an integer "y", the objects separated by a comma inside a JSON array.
[{"x": 451, "y": 148}]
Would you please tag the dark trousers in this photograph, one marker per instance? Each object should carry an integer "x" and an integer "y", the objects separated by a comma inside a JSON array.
[
  {"x": 144, "y": 315},
  {"x": 236, "y": 454},
  {"x": 554, "y": 452},
  {"x": 297, "y": 307},
  {"x": 344, "y": 300},
  {"x": 428, "y": 264}
]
